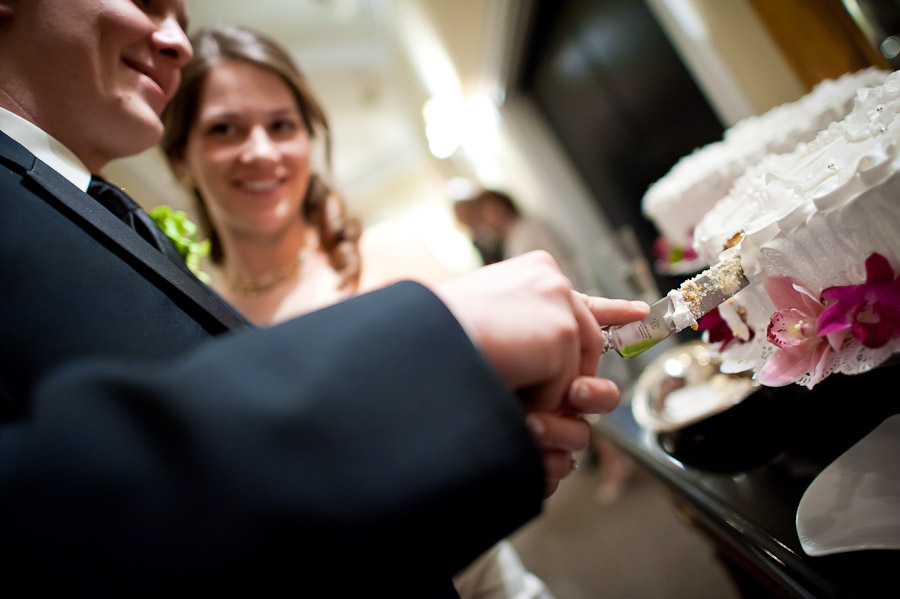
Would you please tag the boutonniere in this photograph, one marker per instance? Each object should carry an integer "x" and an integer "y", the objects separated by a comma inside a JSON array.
[{"x": 183, "y": 233}]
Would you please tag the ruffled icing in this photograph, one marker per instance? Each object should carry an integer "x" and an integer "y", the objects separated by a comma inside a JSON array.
[{"x": 677, "y": 202}]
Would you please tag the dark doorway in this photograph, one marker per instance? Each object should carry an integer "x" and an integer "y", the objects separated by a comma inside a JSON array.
[{"x": 624, "y": 106}]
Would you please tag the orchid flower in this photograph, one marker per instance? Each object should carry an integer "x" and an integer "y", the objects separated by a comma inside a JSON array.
[
  {"x": 792, "y": 329},
  {"x": 871, "y": 310}
]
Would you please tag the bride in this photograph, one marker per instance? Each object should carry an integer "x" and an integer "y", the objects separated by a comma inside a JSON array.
[{"x": 239, "y": 135}]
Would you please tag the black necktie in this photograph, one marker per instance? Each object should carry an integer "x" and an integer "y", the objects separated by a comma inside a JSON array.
[{"x": 127, "y": 210}]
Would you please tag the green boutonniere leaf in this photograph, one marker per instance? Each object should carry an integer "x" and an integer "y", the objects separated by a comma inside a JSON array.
[{"x": 183, "y": 233}]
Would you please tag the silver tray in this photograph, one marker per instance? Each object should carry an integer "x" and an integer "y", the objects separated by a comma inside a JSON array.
[{"x": 684, "y": 385}]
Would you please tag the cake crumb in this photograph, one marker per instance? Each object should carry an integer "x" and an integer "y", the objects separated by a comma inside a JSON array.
[
  {"x": 721, "y": 278},
  {"x": 734, "y": 240}
]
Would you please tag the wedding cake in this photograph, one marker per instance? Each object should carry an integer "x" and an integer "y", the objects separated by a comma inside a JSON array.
[
  {"x": 817, "y": 230},
  {"x": 676, "y": 202}
]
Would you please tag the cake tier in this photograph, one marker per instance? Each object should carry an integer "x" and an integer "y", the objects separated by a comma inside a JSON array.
[{"x": 678, "y": 201}]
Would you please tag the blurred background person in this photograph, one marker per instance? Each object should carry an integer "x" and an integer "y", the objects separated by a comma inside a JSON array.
[
  {"x": 239, "y": 133},
  {"x": 487, "y": 241},
  {"x": 500, "y": 230}
]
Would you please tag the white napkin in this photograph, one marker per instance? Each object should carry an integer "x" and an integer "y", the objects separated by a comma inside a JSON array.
[{"x": 854, "y": 503}]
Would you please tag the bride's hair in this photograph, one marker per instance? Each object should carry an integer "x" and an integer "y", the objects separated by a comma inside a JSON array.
[{"x": 322, "y": 207}]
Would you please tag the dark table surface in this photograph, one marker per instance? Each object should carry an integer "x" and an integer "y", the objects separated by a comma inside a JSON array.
[{"x": 743, "y": 472}]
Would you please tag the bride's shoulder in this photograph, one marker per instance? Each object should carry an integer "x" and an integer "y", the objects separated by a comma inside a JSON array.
[
  {"x": 389, "y": 236},
  {"x": 391, "y": 252}
]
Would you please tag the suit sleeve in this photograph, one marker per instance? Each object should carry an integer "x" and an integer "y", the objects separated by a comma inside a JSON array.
[{"x": 369, "y": 439}]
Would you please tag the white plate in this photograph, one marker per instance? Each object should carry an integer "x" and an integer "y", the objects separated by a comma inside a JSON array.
[
  {"x": 684, "y": 386},
  {"x": 854, "y": 503}
]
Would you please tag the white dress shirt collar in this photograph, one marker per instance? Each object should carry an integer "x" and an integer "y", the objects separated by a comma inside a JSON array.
[{"x": 46, "y": 148}]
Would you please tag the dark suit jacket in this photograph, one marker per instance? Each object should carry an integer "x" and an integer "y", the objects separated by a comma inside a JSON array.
[{"x": 151, "y": 441}]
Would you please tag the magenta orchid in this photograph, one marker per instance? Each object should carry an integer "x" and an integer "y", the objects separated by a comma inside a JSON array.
[
  {"x": 871, "y": 310},
  {"x": 718, "y": 330},
  {"x": 801, "y": 350}
]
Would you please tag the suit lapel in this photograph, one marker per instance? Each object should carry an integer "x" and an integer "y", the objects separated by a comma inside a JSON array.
[{"x": 217, "y": 314}]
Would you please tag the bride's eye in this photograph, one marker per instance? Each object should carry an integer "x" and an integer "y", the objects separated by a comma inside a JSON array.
[
  {"x": 284, "y": 126},
  {"x": 221, "y": 129}
]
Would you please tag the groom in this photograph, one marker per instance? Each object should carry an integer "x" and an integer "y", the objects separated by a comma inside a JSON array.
[{"x": 151, "y": 441}]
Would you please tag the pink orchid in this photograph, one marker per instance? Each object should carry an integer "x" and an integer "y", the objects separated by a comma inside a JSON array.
[
  {"x": 871, "y": 310},
  {"x": 801, "y": 350},
  {"x": 719, "y": 331}
]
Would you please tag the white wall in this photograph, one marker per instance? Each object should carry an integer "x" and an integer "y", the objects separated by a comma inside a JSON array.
[{"x": 732, "y": 57}]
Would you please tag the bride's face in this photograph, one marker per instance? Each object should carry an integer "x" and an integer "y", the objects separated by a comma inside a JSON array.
[{"x": 248, "y": 150}]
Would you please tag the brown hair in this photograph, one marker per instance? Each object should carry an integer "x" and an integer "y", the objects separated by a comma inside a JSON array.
[
  {"x": 322, "y": 207},
  {"x": 500, "y": 198}
]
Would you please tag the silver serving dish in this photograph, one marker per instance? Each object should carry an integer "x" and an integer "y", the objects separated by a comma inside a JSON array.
[{"x": 684, "y": 385}]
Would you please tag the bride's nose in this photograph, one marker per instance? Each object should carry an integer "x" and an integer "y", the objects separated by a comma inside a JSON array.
[{"x": 259, "y": 146}]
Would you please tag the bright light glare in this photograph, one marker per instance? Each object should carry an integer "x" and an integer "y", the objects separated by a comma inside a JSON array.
[
  {"x": 481, "y": 113},
  {"x": 450, "y": 123},
  {"x": 442, "y": 122},
  {"x": 674, "y": 367},
  {"x": 442, "y": 140}
]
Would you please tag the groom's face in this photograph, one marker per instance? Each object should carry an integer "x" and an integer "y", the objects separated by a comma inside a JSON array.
[{"x": 101, "y": 70}]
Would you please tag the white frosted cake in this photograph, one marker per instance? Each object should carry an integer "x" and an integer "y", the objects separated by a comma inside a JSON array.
[
  {"x": 676, "y": 202},
  {"x": 814, "y": 215}
]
